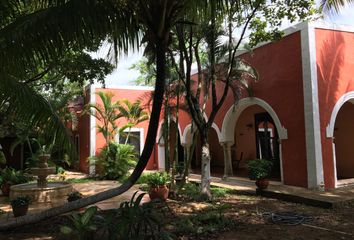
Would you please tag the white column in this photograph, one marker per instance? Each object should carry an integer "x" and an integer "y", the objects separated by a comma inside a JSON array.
[
  {"x": 227, "y": 160},
  {"x": 315, "y": 178},
  {"x": 161, "y": 155}
]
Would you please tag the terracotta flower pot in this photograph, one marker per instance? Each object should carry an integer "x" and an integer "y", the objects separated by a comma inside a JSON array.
[
  {"x": 20, "y": 210},
  {"x": 5, "y": 189},
  {"x": 262, "y": 183},
  {"x": 160, "y": 192}
]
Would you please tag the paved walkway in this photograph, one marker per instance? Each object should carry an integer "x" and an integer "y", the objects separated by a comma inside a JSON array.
[
  {"x": 328, "y": 199},
  {"x": 87, "y": 189}
]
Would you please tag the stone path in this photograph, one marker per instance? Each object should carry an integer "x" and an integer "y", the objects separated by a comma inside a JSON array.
[{"x": 87, "y": 189}]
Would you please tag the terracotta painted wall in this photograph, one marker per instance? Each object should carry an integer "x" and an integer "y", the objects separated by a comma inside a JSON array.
[
  {"x": 245, "y": 137},
  {"x": 335, "y": 64},
  {"x": 132, "y": 95},
  {"x": 280, "y": 68}
]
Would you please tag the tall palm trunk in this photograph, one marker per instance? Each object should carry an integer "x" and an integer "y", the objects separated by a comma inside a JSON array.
[{"x": 161, "y": 47}]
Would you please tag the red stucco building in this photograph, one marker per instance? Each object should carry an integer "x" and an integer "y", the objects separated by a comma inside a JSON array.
[{"x": 301, "y": 115}]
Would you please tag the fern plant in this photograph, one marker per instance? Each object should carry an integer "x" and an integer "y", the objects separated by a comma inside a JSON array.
[{"x": 115, "y": 160}]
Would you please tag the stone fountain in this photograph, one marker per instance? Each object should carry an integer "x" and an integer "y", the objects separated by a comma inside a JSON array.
[{"x": 42, "y": 191}]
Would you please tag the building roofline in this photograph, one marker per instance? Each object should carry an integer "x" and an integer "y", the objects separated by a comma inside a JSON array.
[
  {"x": 113, "y": 86},
  {"x": 320, "y": 24}
]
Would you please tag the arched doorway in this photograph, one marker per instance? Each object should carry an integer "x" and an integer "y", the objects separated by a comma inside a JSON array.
[
  {"x": 343, "y": 134},
  {"x": 173, "y": 151},
  {"x": 216, "y": 154},
  {"x": 256, "y": 136}
]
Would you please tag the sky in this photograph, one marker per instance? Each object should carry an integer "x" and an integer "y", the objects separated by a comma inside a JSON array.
[{"x": 122, "y": 76}]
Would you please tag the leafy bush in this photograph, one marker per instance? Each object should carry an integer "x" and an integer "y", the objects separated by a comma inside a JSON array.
[
  {"x": 157, "y": 179},
  {"x": 138, "y": 221},
  {"x": 115, "y": 160},
  {"x": 82, "y": 225},
  {"x": 12, "y": 176},
  {"x": 258, "y": 168},
  {"x": 192, "y": 192},
  {"x": 131, "y": 221}
]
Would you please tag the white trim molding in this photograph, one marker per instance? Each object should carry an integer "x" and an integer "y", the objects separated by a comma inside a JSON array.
[
  {"x": 92, "y": 167},
  {"x": 161, "y": 145},
  {"x": 134, "y": 130},
  {"x": 348, "y": 97},
  {"x": 234, "y": 113},
  {"x": 315, "y": 176}
]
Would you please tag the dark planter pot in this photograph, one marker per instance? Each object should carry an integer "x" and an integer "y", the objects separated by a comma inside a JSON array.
[
  {"x": 5, "y": 189},
  {"x": 160, "y": 192},
  {"x": 19, "y": 211},
  {"x": 262, "y": 183}
]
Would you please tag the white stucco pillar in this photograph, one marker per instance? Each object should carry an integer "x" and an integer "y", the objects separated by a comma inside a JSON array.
[
  {"x": 228, "y": 172},
  {"x": 161, "y": 155},
  {"x": 315, "y": 174}
]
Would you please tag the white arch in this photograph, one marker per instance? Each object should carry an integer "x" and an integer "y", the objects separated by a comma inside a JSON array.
[
  {"x": 159, "y": 132},
  {"x": 161, "y": 145},
  {"x": 348, "y": 97},
  {"x": 345, "y": 98},
  {"x": 232, "y": 115},
  {"x": 187, "y": 136}
]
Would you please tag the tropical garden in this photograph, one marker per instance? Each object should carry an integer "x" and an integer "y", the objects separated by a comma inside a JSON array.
[{"x": 45, "y": 66}]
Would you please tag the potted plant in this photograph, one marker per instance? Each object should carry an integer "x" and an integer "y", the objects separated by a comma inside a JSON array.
[
  {"x": 259, "y": 170},
  {"x": 73, "y": 196},
  {"x": 157, "y": 183},
  {"x": 20, "y": 205}
]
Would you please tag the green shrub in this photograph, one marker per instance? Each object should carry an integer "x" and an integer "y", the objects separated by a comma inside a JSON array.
[
  {"x": 12, "y": 176},
  {"x": 258, "y": 168},
  {"x": 115, "y": 160},
  {"x": 157, "y": 179},
  {"x": 82, "y": 226}
]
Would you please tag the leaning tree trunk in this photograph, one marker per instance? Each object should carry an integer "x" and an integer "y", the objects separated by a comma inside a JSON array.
[
  {"x": 143, "y": 160},
  {"x": 205, "y": 176}
]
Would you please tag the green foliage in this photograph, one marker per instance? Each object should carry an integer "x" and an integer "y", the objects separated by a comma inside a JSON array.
[
  {"x": 134, "y": 220},
  {"x": 259, "y": 168},
  {"x": 191, "y": 191},
  {"x": 107, "y": 113},
  {"x": 147, "y": 72},
  {"x": 131, "y": 221},
  {"x": 82, "y": 225},
  {"x": 80, "y": 180},
  {"x": 20, "y": 201},
  {"x": 157, "y": 179},
  {"x": 115, "y": 160},
  {"x": 73, "y": 196},
  {"x": 12, "y": 176}
]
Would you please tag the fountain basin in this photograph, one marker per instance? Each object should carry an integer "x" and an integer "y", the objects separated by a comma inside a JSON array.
[{"x": 54, "y": 192}]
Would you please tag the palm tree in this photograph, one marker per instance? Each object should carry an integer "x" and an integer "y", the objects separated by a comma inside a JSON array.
[
  {"x": 133, "y": 112},
  {"x": 36, "y": 31},
  {"x": 327, "y": 5},
  {"x": 107, "y": 113}
]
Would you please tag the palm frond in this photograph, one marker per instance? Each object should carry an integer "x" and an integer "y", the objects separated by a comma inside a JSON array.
[
  {"x": 336, "y": 5},
  {"x": 28, "y": 106}
]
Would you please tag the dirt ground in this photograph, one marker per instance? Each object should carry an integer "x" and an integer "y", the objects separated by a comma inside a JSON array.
[{"x": 243, "y": 212}]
